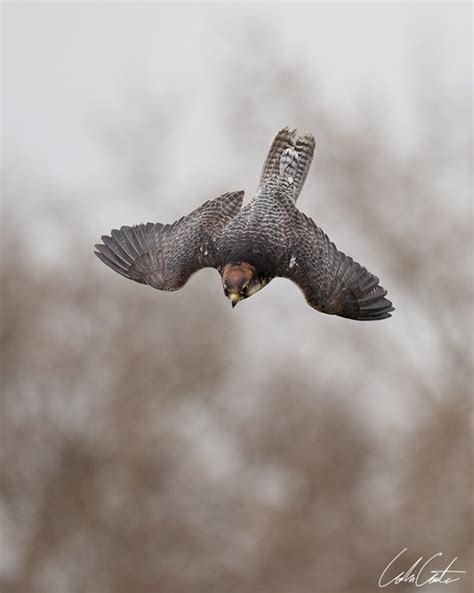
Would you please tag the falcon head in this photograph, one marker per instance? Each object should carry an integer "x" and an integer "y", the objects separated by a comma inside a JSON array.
[{"x": 240, "y": 280}]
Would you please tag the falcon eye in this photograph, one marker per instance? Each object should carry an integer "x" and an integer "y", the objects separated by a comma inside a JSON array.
[{"x": 243, "y": 290}]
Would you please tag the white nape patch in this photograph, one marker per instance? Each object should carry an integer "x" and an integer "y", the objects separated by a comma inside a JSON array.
[
  {"x": 292, "y": 261},
  {"x": 290, "y": 179}
]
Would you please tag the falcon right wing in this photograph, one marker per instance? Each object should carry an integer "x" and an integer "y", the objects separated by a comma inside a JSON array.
[
  {"x": 166, "y": 255},
  {"x": 332, "y": 282}
]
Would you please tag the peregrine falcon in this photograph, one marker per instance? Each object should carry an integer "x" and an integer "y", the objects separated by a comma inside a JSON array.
[{"x": 250, "y": 245}]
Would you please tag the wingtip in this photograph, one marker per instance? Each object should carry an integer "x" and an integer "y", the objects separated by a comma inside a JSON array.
[{"x": 376, "y": 309}]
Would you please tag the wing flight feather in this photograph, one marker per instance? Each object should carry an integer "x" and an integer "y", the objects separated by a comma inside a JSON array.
[
  {"x": 165, "y": 256},
  {"x": 331, "y": 281}
]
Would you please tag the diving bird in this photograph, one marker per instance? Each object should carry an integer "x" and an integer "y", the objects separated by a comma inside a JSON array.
[{"x": 250, "y": 245}]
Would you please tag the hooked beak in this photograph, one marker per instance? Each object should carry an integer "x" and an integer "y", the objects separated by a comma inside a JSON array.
[{"x": 234, "y": 299}]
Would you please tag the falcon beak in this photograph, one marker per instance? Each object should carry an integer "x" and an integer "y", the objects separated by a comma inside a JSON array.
[{"x": 234, "y": 299}]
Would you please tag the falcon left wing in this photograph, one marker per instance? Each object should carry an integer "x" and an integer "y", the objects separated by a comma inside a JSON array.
[{"x": 331, "y": 281}]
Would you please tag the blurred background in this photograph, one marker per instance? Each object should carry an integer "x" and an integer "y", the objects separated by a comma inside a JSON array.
[{"x": 164, "y": 442}]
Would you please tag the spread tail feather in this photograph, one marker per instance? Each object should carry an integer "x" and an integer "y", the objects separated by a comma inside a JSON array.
[
  {"x": 290, "y": 157},
  {"x": 283, "y": 140},
  {"x": 304, "y": 146}
]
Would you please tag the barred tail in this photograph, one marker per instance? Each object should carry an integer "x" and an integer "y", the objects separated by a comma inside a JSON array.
[
  {"x": 304, "y": 146},
  {"x": 283, "y": 140},
  {"x": 289, "y": 157}
]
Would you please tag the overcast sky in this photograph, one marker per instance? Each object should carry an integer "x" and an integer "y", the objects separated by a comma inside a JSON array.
[
  {"x": 68, "y": 66},
  {"x": 70, "y": 70}
]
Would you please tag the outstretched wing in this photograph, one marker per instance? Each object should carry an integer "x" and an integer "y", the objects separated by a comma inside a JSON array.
[
  {"x": 332, "y": 282},
  {"x": 166, "y": 255}
]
